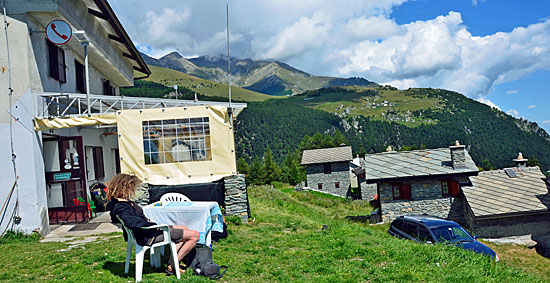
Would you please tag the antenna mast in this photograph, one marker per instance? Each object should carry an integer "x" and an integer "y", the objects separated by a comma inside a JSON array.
[{"x": 228, "y": 58}]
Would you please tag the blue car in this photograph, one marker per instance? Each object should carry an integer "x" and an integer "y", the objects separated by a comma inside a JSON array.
[{"x": 429, "y": 229}]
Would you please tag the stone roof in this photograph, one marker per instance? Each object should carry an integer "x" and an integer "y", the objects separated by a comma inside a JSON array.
[
  {"x": 496, "y": 192},
  {"x": 326, "y": 155},
  {"x": 415, "y": 163}
]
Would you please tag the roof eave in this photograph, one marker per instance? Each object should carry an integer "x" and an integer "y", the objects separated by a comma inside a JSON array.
[
  {"x": 110, "y": 16},
  {"x": 406, "y": 178}
]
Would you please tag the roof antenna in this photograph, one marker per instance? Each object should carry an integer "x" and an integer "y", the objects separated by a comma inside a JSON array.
[{"x": 229, "y": 110}]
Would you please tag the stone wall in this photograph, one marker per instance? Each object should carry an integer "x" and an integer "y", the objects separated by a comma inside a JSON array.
[
  {"x": 236, "y": 197},
  {"x": 368, "y": 191},
  {"x": 535, "y": 225},
  {"x": 426, "y": 198},
  {"x": 339, "y": 173}
]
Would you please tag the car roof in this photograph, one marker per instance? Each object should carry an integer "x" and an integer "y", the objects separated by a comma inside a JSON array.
[{"x": 428, "y": 221}]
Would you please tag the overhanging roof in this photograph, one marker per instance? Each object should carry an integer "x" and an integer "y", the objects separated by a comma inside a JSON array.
[
  {"x": 325, "y": 155},
  {"x": 417, "y": 163},
  {"x": 106, "y": 13},
  {"x": 495, "y": 192}
]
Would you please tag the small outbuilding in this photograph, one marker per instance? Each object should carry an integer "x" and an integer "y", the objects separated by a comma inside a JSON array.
[{"x": 328, "y": 169}]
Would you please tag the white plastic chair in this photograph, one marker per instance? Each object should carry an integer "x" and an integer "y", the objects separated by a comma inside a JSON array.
[
  {"x": 154, "y": 253},
  {"x": 173, "y": 197}
]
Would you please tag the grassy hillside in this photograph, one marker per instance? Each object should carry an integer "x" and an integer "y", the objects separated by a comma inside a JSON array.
[
  {"x": 169, "y": 77},
  {"x": 382, "y": 104},
  {"x": 430, "y": 118},
  {"x": 285, "y": 243}
]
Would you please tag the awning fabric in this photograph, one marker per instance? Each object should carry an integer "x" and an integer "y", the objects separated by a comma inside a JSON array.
[
  {"x": 69, "y": 122},
  {"x": 131, "y": 146}
]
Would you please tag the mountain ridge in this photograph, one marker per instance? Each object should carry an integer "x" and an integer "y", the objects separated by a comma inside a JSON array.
[{"x": 252, "y": 74}]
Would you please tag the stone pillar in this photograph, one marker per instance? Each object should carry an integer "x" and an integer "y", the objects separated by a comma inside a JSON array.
[
  {"x": 236, "y": 197},
  {"x": 142, "y": 195}
]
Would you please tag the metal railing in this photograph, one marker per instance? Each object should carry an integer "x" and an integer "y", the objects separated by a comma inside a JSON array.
[{"x": 54, "y": 105}]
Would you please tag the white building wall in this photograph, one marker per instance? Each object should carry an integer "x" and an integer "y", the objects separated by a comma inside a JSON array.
[{"x": 29, "y": 72}]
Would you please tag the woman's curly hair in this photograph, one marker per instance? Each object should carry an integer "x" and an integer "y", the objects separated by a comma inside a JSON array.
[{"x": 122, "y": 186}]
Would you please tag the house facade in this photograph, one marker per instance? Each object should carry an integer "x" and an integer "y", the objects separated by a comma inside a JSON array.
[
  {"x": 420, "y": 181},
  {"x": 328, "y": 169},
  {"x": 509, "y": 202},
  {"x": 59, "y": 140}
]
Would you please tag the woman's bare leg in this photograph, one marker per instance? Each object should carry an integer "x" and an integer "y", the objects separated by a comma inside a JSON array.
[{"x": 190, "y": 239}]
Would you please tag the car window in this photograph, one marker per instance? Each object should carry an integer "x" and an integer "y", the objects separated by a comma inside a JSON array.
[
  {"x": 410, "y": 228},
  {"x": 452, "y": 234},
  {"x": 424, "y": 234},
  {"x": 398, "y": 224}
]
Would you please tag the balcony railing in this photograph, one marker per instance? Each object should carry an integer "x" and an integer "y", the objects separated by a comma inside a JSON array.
[{"x": 55, "y": 105}]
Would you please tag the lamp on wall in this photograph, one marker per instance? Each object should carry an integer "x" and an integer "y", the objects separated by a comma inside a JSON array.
[{"x": 84, "y": 40}]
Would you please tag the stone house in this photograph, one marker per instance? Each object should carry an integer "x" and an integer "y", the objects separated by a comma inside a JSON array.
[
  {"x": 508, "y": 202},
  {"x": 328, "y": 169},
  {"x": 420, "y": 181}
]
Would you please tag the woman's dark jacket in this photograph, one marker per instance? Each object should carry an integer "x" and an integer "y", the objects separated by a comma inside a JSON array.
[{"x": 134, "y": 219}]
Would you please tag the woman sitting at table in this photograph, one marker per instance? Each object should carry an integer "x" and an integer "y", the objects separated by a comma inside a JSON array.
[{"x": 122, "y": 187}]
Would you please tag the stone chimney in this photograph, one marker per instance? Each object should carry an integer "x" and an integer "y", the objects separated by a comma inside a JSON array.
[
  {"x": 520, "y": 161},
  {"x": 458, "y": 155},
  {"x": 389, "y": 148}
]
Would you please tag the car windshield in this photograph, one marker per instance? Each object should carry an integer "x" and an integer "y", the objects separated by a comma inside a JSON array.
[{"x": 453, "y": 234}]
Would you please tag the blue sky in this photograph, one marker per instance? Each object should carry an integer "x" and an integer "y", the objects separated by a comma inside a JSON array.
[{"x": 494, "y": 51}]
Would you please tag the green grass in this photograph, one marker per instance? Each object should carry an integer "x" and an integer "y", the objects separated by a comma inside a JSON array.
[
  {"x": 336, "y": 102},
  {"x": 285, "y": 243},
  {"x": 169, "y": 77}
]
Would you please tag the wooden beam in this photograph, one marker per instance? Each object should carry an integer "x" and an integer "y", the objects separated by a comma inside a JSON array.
[
  {"x": 98, "y": 14},
  {"x": 116, "y": 38},
  {"x": 133, "y": 57}
]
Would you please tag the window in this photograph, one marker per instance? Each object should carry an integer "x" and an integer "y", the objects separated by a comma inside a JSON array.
[
  {"x": 320, "y": 186},
  {"x": 94, "y": 163},
  {"x": 56, "y": 58},
  {"x": 410, "y": 228},
  {"x": 449, "y": 188},
  {"x": 424, "y": 234},
  {"x": 176, "y": 140},
  {"x": 108, "y": 89},
  {"x": 337, "y": 185},
  {"x": 80, "y": 77},
  {"x": 401, "y": 191},
  {"x": 399, "y": 224},
  {"x": 327, "y": 168}
]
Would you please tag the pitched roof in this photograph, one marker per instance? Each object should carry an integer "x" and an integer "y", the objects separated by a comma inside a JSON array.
[
  {"x": 325, "y": 155},
  {"x": 496, "y": 192},
  {"x": 416, "y": 163}
]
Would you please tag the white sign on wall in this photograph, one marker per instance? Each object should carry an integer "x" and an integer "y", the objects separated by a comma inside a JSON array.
[{"x": 58, "y": 32}]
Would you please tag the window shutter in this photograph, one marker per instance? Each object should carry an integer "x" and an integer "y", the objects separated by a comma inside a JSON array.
[
  {"x": 98, "y": 163},
  {"x": 407, "y": 191},
  {"x": 52, "y": 58},
  {"x": 61, "y": 65},
  {"x": 455, "y": 188},
  {"x": 80, "y": 76}
]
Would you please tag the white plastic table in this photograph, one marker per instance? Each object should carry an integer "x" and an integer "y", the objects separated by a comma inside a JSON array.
[{"x": 202, "y": 216}]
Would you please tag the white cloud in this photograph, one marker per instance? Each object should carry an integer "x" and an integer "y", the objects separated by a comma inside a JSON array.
[
  {"x": 546, "y": 122},
  {"x": 372, "y": 28},
  {"x": 343, "y": 38},
  {"x": 305, "y": 34},
  {"x": 532, "y": 106},
  {"x": 513, "y": 112},
  {"x": 490, "y": 103},
  {"x": 442, "y": 53},
  {"x": 512, "y": 91}
]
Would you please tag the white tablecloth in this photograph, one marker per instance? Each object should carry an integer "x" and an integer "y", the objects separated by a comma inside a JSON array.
[{"x": 202, "y": 216}]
